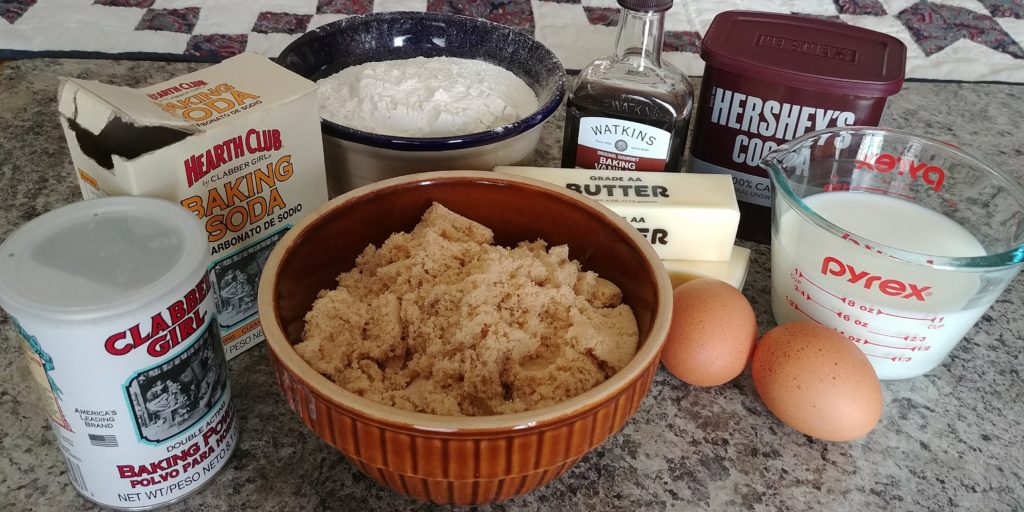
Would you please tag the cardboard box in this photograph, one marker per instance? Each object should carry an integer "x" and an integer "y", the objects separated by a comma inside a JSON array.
[{"x": 238, "y": 144}]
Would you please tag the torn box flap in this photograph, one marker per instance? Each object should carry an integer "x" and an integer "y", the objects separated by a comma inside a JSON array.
[
  {"x": 93, "y": 105},
  {"x": 238, "y": 86},
  {"x": 192, "y": 103},
  {"x": 102, "y": 130}
]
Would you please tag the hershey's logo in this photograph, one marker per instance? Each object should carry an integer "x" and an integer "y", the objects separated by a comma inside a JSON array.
[
  {"x": 785, "y": 121},
  {"x": 833, "y": 266},
  {"x": 806, "y": 47}
]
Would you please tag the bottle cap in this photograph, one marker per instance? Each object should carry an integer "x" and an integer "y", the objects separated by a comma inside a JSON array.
[{"x": 646, "y": 5}]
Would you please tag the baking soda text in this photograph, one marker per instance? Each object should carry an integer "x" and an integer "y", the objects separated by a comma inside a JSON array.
[
  {"x": 201, "y": 106},
  {"x": 243, "y": 201}
]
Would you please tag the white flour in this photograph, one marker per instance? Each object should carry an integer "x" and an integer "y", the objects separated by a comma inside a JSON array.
[{"x": 425, "y": 97}]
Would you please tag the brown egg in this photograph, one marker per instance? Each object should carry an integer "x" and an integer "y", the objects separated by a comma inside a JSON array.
[
  {"x": 712, "y": 333},
  {"x": 817, "y": 381}
]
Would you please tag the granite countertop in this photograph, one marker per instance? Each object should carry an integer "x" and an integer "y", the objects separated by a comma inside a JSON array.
[{"x": 948, "y": 440}]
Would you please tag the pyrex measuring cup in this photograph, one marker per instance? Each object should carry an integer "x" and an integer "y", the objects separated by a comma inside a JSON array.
[{"x": 897, "y": 241}]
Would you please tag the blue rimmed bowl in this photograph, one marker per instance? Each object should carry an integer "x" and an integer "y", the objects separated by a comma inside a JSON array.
[{"x": 355, "y": 158}]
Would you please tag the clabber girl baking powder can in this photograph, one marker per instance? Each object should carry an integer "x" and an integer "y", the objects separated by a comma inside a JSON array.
[{"x": 112, "y": 299}]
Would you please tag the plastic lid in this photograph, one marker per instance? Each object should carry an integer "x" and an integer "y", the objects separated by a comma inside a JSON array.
[
  {"x": 100, "y": 258},
  {"x": 646, "y": 5},
  {"x": 806, "y": 52}
]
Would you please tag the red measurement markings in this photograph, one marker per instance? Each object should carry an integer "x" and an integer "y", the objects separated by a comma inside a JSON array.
[
  {"x": 895, "y": 359},
  {"x": 809, "y": 298},
  {"x": 865, "y": 341},
  {"x": 908, "y": 338},
  {"x": 889, "y": 335},
  {"x": 915, "y": 348},
  {"x": 882, "y": 191},
  {"x": 933, "y": 319},
  {"x": 796, "y": 307},
  {"x": 847, "y": 318},
  {"x": 801, "y": 275},
  {"x": 793, "y": 304},
  {"x": 862, "y": 341}
]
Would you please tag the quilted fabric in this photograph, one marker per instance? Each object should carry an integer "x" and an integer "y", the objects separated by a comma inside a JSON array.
[{"x": 971, "y": 40}]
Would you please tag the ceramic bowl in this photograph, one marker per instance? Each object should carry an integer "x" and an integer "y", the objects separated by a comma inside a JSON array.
[
  {"x": 449, "y": 459},
  {"x": 355, "y": 158}
]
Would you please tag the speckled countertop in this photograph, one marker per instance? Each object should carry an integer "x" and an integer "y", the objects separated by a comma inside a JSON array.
[{"x": 950, "y": 440}]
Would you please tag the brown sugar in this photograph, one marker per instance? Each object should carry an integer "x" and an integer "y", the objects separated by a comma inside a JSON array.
[{"x": 442, "y": 321}]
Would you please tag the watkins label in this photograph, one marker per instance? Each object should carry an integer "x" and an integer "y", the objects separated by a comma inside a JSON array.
[{"x": 615, "y": 144}]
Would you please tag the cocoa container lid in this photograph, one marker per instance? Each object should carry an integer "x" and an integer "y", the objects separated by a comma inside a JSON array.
[{"x": 806, "y": 52}]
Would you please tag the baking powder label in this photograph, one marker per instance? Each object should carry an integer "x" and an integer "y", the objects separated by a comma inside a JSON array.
[
  {"x": 40, "y": 364},
  {"x": 141, "y": 404},
  {"x": 616, "y": 144}
]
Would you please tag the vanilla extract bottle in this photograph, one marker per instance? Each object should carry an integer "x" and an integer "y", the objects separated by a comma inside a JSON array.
[{"x": 630, "y": 111}]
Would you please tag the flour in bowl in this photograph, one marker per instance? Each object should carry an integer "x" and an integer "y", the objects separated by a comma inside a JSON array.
[{"x": 425, "y": 97}]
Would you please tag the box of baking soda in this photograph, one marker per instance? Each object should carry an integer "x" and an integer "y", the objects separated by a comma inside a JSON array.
[{"x": 237, "y": 144}]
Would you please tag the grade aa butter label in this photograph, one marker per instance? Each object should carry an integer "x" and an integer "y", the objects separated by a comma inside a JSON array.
[{"x": 616, "y": 144}]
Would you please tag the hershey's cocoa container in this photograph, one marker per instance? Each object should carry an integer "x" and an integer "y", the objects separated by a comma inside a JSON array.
[
  {"x": 770, "y": 78},
  {"x": 112, "y": 299}
]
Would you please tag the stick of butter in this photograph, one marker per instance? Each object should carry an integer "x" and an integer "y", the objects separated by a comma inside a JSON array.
[
  {"x": 684, "y": 216},
  {"x": 733, "y": 271}
]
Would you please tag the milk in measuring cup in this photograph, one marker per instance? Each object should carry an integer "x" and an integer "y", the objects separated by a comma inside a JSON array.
[{"x": 905, "y": 318}]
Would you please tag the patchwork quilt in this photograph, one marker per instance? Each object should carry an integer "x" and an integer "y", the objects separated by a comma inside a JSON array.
[{"x": 969, "y": 40}]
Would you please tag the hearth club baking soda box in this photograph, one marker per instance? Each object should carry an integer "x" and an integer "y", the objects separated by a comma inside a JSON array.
[{"x": 237, "y": 144}]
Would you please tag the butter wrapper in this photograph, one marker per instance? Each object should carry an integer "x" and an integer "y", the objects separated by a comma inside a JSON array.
[{"x": 684, "y": 216}]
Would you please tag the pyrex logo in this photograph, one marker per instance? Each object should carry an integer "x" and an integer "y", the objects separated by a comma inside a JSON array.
[
  {"x": 885, "y": 163},
  {"x": 832, "y": 266}
]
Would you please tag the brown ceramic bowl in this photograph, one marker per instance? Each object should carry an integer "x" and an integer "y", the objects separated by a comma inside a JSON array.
[{"x": 447, "y": 459}]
